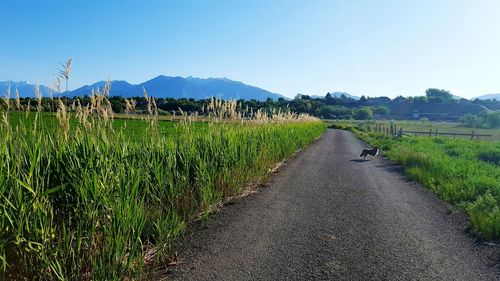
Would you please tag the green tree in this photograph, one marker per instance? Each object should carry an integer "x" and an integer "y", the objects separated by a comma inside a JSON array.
[
  {"x": 420, "y": 99},
  {"x": 117, "y": 106},
  {"x": 469, "y": 120},
  {"x": 490, "y": 119},
  {"x": 363, "y": 113},
  {"x": 438, "y": 95},
  {"x": 381, "y": 110}
]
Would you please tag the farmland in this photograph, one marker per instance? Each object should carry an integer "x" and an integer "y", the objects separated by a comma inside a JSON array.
[
  {"x": 87, "y": 196},
  {"x": 463, "y": 172}
]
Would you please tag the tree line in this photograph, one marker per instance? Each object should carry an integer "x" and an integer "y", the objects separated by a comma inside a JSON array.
[{"x": 327, "y": 107}]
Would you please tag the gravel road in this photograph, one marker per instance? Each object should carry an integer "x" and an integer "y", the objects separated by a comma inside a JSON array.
[{"x": 326, "y": 215}]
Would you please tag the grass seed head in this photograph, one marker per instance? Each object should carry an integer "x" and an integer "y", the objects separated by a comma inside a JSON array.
[
  {"x": 38, "y": 96},
  {"x": 6, "y": 99},
  {"x": 18, "y": 100}
]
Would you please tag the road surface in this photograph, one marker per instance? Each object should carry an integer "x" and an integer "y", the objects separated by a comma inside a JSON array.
[{"x": 326, "y": 215}]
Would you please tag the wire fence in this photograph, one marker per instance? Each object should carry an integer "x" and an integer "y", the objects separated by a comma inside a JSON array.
[{"x": 394, "y": 131}]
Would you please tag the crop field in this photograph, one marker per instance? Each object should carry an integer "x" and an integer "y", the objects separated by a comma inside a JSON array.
[
  {"x": 86, "y": 196},
  {"x": 462, "y": 172},
  {"x": 134, "y": 126}
]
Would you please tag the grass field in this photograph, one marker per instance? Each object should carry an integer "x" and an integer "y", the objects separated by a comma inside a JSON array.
[
  {"x": 83, "y": 196},
  {"x": 425, "y": 126},
  {"x": 132, "y": 124},
  {"x": 463, "y": 172}
]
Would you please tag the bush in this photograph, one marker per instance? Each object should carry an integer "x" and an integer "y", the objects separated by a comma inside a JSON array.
[{"x": 487, "y": 119}]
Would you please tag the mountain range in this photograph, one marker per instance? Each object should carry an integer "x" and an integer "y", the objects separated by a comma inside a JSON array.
[
  {"x": 339, "y": 94},
  {"x": 159, "y": 87},
  {"x": 172, "y": 87},
  {"x": 489, "y": 97},
  {"x": 24, "y": 88}
]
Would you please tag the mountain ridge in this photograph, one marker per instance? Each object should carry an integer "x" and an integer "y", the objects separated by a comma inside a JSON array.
[
  {"x": 489, "y": 96},
  {"x": 25, "y": 89},
  {"x": 163, "y": 86}
]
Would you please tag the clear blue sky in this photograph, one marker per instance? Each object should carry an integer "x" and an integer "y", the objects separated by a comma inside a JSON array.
[{"x": 362, "y": 47}]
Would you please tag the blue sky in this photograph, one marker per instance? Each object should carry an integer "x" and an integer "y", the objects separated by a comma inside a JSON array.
[{"x": 373, "y": 48}]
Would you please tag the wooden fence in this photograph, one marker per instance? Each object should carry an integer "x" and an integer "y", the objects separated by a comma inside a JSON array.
[{"x": 392, "y": 130}]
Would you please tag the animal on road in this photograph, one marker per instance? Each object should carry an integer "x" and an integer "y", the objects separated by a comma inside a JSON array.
[{"x": 373, "y": 152}]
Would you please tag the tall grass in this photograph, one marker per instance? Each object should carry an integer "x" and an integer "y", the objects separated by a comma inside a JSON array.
[
  {"x": 85, "y": 199},
  {"x": 463, "y": 172}
]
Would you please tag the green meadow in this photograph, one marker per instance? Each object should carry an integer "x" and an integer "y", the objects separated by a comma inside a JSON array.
[{"x": 424, "y": 126}]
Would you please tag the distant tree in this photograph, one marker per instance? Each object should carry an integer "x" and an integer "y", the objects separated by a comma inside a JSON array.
[
  {"x": 487, "y": 119},
  {"x": 328, "y": 96},
  {"x": 490, "y": 119},
  {"x": 363, "y": 113},
  {"x": 252, "y": 103},
  {"x": 438, "y": 95},
  {"x": 362, "y": 99},
  {"x": 117, "y": 105},
  {"x": 308, "y": 106},
  {"x": 469, "y": 120},
  {"x": 381, "y": 110},
  {"x": 400, "y": 99},
  {"x": 420, "y": 99}
]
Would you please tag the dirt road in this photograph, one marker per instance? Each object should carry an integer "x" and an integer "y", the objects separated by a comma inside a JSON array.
[{"x": 326, "y": 215}]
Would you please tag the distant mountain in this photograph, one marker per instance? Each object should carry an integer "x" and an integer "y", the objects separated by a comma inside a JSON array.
[
  {"x": 118, "y": 88},
  {"x": 317, "y": 96},
  {"x": 228, "y": 89},
  {"x": 24, "y": 88},
  {"x": 172, "y": 87},
  {"x": 339, "y": 94},
  {"x": 179, "y": 87},
  {"x": 160, "y": 87},
  {"x": 489, "y": 97}
]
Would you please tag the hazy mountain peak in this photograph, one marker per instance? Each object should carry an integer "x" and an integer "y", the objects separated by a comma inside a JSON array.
[
  {"x": 488, "y": 97},
  {"x": 25, "y": 89}
]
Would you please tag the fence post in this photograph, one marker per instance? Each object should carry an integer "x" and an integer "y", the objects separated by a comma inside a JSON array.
[
  {"x": 472, "y": 135},
  {"x": 430, "y": 132},
  {"x": 436, "y": 132},
  {"x": 400, "y": 132}
]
